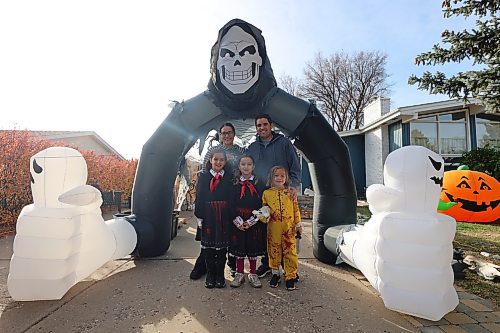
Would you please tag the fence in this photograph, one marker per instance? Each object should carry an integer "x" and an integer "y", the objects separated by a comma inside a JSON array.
[{"x": 114, "y": 200}]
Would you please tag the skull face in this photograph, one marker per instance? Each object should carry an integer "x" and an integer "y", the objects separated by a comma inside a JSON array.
[{"x": 239, "y": 60}]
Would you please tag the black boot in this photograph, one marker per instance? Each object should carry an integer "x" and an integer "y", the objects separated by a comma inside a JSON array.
[
  {"x": 220, "y": 264},
  {"x": 200, "y": 267},
  {"x": 211, "y": 270}
]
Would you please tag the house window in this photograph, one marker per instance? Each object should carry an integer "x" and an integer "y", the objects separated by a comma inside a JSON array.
[
  {"x": 424, "y": 134},
  {"x": 395, "y": 136},
  {"x": 446, "y": 134},
  {"x": 488, "y": 130}
]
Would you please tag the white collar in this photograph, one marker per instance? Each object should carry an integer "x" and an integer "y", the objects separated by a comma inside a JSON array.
[
  {"x": 221, "y": 173},
  {"x": 243, "y": 178}
]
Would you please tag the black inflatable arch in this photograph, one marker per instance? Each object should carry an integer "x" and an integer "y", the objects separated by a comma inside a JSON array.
[{"x": 327, "y": 154}]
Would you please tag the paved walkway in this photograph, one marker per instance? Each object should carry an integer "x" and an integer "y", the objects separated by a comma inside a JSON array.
[{"x": 156, "y": 295}]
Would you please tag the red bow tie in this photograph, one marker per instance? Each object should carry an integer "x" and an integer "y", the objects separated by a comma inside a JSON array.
[
  {"x": 250, "y": 186},
  {"x": 214, "y": 182}
]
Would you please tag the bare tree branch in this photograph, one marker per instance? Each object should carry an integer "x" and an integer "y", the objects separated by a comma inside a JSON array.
[
  {"x": 289, "y": 84},
  {"x": 343, "y": 85}
]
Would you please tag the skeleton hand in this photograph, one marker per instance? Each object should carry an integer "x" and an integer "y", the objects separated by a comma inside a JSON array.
[
  {"x": 238, "y": 222},
  {"x": 263, "y": 214},
  {"x": 251, "y": 221}
]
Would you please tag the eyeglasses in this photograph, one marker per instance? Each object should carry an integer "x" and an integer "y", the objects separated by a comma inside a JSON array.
[{"x": 226, "y": 133}]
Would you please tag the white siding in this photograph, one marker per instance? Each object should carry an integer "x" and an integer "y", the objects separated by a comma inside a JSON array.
[
  {"x": 376, "y": 109},
  {"x": 376, "y": 151}
]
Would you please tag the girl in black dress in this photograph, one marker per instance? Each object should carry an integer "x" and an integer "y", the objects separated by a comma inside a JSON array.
[
  {"x": 213, "y": 213},
  {"x": 248, "y": 235}
]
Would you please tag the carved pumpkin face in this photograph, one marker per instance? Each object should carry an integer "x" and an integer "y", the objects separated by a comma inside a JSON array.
[{"x": 477, "y": 196}]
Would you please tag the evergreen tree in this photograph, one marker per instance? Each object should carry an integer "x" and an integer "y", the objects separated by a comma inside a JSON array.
[{"x": 482, "y": 45}]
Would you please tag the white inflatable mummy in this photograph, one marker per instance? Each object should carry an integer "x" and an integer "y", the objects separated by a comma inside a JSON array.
[
  {"x": 405, "y": 250},
  {"x": 62, "y": 238}
]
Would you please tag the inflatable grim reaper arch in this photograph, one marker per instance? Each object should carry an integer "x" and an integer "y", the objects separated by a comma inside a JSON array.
[{"x": 242, "y": 86}]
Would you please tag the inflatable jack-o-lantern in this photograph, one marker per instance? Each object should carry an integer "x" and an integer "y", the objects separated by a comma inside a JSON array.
[{"x": 477, "y": 195}]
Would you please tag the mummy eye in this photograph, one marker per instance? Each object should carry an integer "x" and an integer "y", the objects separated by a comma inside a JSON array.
[
  {"x": 437, "y": 165},
  {"x": 36, "y": 167}
]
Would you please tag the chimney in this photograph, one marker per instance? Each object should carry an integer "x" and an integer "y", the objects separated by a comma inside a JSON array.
[{"x": 376, "y": 109}]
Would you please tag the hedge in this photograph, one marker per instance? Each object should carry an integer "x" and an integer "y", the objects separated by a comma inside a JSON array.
[{"x": 16, "y": 149}]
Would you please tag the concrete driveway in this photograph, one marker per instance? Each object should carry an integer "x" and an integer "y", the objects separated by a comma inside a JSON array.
[{"x": 156, "y": 295}]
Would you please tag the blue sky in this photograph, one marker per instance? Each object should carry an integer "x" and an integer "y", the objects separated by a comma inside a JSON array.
[{"x": 113, "y": 66}]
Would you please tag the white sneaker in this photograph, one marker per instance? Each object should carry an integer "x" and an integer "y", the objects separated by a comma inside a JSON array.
[
  {"x": 238, "y": 280},
  {"x": 254, "y": 281}
]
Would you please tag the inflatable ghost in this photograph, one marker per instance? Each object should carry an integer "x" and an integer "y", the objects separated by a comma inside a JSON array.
[
  {"x": 242, "y": 86},
  {"x": 62, "y": 238},
  {"x": 405, "y": 250}
]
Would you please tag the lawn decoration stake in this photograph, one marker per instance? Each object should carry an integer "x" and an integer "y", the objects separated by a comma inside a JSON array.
[
  {"x": 405, "y": 249},
  {"x": 476, "y": 194},
  {"x": 62, "y": 238},
  {"x": 242, "y": 86}
]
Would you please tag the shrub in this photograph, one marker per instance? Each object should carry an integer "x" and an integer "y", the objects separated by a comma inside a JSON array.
[
  {"x": 110, "y": 173},
  {"x": 485, "y": 160},
  {"x": 16, "y": 149}
]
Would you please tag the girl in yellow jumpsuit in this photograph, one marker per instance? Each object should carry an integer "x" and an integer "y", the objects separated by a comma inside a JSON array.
[{"x": 284, "y": 223}]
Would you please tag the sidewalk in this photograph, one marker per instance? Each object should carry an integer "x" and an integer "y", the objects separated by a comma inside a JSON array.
[{"x": 156, "y": 295}]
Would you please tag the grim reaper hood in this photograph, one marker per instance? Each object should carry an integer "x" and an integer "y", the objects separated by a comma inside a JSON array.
[{"x": 251, "y": 100}]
